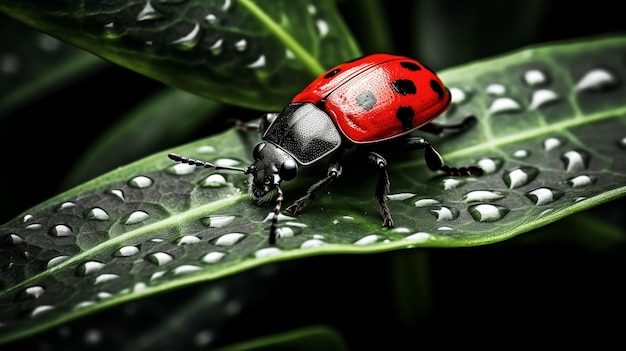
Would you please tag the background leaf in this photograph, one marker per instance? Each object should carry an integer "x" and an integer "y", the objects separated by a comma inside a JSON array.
[
  {"x": 78, "y": 253},
  {"x": 245, "y": 53}
]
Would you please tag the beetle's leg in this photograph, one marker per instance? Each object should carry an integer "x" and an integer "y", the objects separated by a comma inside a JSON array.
[
  {"x": 438, "y": 129},
  {"x": 382, "y": 186},
  {"x": 279, "y": 203},
  {"x": 334, "y": 171},
  {"x": 260, "y": 126},
  {"x": 434, "y": 161}
]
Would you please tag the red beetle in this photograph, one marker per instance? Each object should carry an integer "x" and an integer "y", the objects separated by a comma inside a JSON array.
[{"x": 372, "y": 103}]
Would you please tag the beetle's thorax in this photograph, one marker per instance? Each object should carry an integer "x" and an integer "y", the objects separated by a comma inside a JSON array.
[{"x": 271, "y": 166}]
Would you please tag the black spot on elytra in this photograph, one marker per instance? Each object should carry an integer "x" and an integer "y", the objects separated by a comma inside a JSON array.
[
  {"x": 411, "y": 66},
  {"x": 404, "y": 86},
  {"x": 437, "y": 88},
  {"x": 332, "y": 73},
  {"x": 367, "y": 100},
  {"x": 405, "y": 115}
]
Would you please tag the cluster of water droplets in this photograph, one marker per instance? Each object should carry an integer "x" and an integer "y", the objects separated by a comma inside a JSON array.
[{"x": 208, "y": 28}]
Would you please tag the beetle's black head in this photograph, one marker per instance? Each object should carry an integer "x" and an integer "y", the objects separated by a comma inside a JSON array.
[{"x": 271, "y": 166}]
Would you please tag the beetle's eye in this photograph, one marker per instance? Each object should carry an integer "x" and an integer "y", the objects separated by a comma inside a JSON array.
[
  {"x": 288, "y": 170},
  {"x": 257, "y": 150}
]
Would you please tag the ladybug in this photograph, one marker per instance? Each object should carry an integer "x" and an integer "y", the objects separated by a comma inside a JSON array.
[{"x": 372, "y": 103}]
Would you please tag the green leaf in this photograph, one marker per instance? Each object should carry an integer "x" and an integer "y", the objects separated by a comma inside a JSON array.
[
  {"x": 550, "y": 138},
  {"x": 248, "y": 53}
]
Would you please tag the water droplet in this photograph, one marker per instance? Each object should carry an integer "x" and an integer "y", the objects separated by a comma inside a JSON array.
[
  {"x": 205, "y": 149},
  {"x": 488, "y": 212},
  {"x": 32, "y": 292},
  {"x": 226, "y": 6},
  {"x": 281, "y": 217},
  {"x": 135, "y": 217},
  {"x": 217, "y": 221},
  {"x": 482, "y": 196},
  {"x": 65, "y": 205},
  {"x": 89, "y": 267},
  {"x": 148, "y": 13},
  {"x": 445, "y": 213},
  {"x": 504, "y": 104},
  {"x": 97, "y": 213},
  {"x": 322, "y": 28},
  {"x": 241, "y": 45},
  {"x": 521, "y": 153},
  {"x": 458, "y": 95},
  {"x": 521, "y": 176},
  {"x": 451, "y": 183},
  {"x": 140, "y": 182},
  {"x": 213, "y": 257},
  {"x": 157, "y": 275},
  {"x": 214, "y": 180},
  {"x": 84, "y": 304},
  {"x": 13, "y": 239},
  {"x": 211, "y": 19},
  {"x": 258, "y": 63},
  {"x": 227, "y": 162},
  {"x": 56, "y": 260},
  {"x": 60, "y": 230},
  {"x": 535, "y": 77},
  {"x": 552, "y": 143},
  {"x": 39, "y": 310},
  {"x": 267, "y": 252},
  {"x": 445, "y": 228},
  {"x": 104, "y": 278},
  {"x": 180, "y": 169},
  {"x": 284, "y": 232},
  {"x": 229, "y": 239},
  {"x": 597, "y": 79},
  {"x": 190, "y": 40},
  {"x": 418, "y": 237},
  {"x": 542, "y": 196},
  {"x": 575, "y": 160},
  {"x": 188, "y": 239},
  {"x": 426, "y": 202},
  {"x": 312, "y": 243},
  {"x": 495, "y": 89},
  {"x": 116, "y": 192},
  {"x": 34, "y": 226},
  {"x": 159, "y": 258},
  {"x": 490, "y": 164},
  {"x": 126, "y": 251},
  {"x": 400, "y": 197},
  {"x": 311, "y": 9},
  {"x": 366, "y": 240},
  {"x": 217, "y": 47},
  {"x": 581, "y": 180},
  {"x": 543, "y": 97},
  {"x": 186, "y": 269}
]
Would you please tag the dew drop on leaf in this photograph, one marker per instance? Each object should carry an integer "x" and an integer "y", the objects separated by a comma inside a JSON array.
[
  {"x": 213, "y": 257},
  {"x": 542, "y": 196},
  {"x": 89, "y": 267},
  {"x": 229, "y": 239},
  {"x": 488, "y": 212},
  {"x": 96, "y": 213},
  {"x": 159, "y": 258},
  {"x": 482, "y": 196},
  {"x": 136, "y": 217},
  {"x": 140, "y": 182},
  {"x": 520, "y": 176},
  {"x": 60, "y": 230},
  {"x": 581, "y": 180},
  {"x": 575, "y": 160},
  {"x": 126, "y": 251}
]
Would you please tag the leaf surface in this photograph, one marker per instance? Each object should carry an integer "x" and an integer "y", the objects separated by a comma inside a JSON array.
[{"x": 551, "y": 138}]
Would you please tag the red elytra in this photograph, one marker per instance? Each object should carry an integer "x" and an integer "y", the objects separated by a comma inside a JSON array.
[{"x": 378, "y": 97}]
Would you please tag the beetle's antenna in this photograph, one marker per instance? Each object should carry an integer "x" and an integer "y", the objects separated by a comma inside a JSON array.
[
  {"x": 279, "y": 204},
  {"x": 191, "y": 161}
]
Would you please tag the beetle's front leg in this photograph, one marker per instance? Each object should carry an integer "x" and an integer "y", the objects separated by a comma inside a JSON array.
[
  {"x": 334, "y": 171},
  {"x": 382, "y": 186}
]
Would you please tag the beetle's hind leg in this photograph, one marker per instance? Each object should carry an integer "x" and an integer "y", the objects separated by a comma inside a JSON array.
[
  {"x": 382, "y": 186},
  {"x": 434, "y": 161}
]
